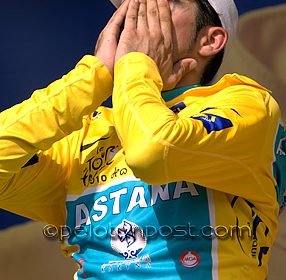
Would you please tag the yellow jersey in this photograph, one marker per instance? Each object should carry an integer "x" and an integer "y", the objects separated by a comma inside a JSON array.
[{"x": 185, "y": 184}]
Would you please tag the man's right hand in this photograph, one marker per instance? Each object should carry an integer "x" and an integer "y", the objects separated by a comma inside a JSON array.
[{"x": 106, "y": 45}]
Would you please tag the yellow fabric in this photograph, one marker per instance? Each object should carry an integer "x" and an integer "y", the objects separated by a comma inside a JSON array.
[
  {"x": 158, "y": 145},
  {"x": 260, "y": 52},
  {"x": 162, "y": 147},
  {"x": 36, "y": 124},
  {"x": 170, "y": 143}
]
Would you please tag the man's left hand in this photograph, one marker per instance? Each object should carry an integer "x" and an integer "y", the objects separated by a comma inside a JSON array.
[{"x": 148, "y": 29}]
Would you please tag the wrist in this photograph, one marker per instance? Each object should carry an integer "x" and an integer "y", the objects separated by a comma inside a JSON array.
[{"x": 137, "y": 66}]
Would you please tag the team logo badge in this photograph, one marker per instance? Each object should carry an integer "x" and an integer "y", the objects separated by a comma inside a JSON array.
[
  {"x": 190, "y": 259},
  {"x": 128, "y": 239}
]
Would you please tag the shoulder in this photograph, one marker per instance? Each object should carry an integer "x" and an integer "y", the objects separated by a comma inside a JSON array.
[{"x": 243, "y": 92}]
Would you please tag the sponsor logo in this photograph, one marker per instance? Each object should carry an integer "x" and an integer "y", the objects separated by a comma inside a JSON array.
[
  {"x": 178, "y": 107},
  {"x": 128, "y": 239},
  {"x": 140, "y": 263},
  {"x": 213, "y": 122},
  {"x": 92, "y": 172},
  {"x": 113, "y": 202},
  {"x": 190, "y": 259}
]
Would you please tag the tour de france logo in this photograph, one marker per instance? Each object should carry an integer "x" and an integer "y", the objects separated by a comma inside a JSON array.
[{"x": 128, "y": 239}]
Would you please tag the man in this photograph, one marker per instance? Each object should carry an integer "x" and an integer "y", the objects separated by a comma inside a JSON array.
[{"x": 165, "y": 185}]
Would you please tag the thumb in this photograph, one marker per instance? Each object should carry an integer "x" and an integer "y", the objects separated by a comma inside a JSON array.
[
  {"x": 183, "y": 67},
  {"x": 180, "y": 69}
]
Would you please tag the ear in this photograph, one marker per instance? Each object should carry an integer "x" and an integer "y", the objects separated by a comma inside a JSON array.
[{"x": 212, "y": 40}]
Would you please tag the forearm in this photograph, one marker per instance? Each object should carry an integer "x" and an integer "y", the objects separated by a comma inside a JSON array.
[
  {"x": 161, "y": 146},
  {"x": 140, "y": 114},
  {"x": 51, "y": 114}
]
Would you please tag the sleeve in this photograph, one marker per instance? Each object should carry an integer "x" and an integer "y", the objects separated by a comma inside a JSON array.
[
  {"x": 32, "y": 166},
  {"x": 217, "y": 148}
]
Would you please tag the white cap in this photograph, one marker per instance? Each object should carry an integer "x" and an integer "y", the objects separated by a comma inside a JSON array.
[
  {"x": 228, "y": 15},
  {"x": 116, "y": 3},
  {"x": 226, "y": 11}
]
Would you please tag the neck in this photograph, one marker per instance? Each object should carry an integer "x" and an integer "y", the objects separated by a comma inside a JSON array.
[{"x": 190, "y": 78}]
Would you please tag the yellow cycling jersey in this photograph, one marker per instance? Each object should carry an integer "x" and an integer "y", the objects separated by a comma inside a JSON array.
[{"x": 185, "y": 184}]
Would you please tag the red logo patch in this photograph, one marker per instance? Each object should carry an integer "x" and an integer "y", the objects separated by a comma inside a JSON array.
[{"x": 190, "y": 259}]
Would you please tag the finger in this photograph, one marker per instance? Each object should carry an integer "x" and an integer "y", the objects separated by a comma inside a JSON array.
[
  {"x": 120, "y": 13},
  {"x": 153, "y": 16},
  {"x": 142, "y": 15},
  {"x": 165, "y": 19},
  {"x": 115, "y": 23},
  {"x": 131, "y": 15}
]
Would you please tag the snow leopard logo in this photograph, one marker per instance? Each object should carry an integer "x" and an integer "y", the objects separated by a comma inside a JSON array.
[{"x": 128, "y": 239}]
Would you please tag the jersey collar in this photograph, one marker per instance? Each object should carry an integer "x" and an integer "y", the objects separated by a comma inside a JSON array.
[{"x": 168, "y": 95}]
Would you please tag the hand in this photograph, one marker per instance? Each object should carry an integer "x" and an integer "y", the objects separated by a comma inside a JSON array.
[
  {"x": 107, "y": 42},
  {"x": 148, "y": 29}
]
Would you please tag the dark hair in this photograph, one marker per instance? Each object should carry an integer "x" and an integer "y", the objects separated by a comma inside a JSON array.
[{"x": 207, "y": 16}]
